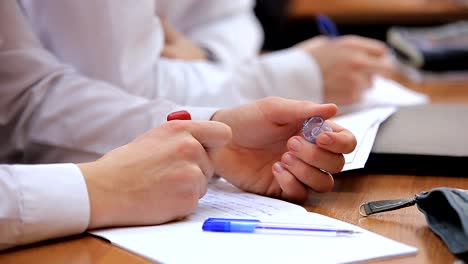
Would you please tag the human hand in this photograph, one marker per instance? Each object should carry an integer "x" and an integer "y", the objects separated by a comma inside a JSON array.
[
  {"x": 156, "y": 178},
  {"x": 267, "y": 156},
  {"x": 348, "y": 65},
  {"x": 177, "y": 46}
]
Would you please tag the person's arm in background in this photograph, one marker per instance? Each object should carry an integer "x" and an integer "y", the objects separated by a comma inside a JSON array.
[
  {"x": 227, "y": 29},
  {"x": 126, "y": 53},
  {"x": 56, "y": 114}
]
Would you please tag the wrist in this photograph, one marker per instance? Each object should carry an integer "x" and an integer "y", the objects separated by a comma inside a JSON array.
[{"x": 99, "y": 208}]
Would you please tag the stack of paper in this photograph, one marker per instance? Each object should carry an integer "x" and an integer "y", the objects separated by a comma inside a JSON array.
[
  {"x": 185, "y": 242},
  {"x": 364, "y": 119}
]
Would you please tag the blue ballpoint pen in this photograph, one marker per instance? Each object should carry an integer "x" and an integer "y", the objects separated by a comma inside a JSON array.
[
  {"x": 326, "y": 26},
  {"x": 252, "y": 225}
]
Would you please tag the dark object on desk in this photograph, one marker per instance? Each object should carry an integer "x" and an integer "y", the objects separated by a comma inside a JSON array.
[
  {"x": 272, "y": 15},
  {"x": 439, "y": 48},
  {"x": 429, "y": 139},
  {"x": 446, "y": 211}
]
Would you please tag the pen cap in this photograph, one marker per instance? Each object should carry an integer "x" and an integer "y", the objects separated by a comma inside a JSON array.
[
  {"x": 229, "y": 225},
  {"x": 313, "y": 126},
  {"x": 179, "y": 115}
]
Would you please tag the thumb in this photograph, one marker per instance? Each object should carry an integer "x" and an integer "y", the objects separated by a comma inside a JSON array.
[
  {"x": 210, "y": 134},
  {"x": 285, "y": 111},
  {"x": 170, "y": 32}
]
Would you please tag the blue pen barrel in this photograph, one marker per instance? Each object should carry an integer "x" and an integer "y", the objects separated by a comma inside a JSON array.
[
  {"x": 230, "y": 225},
  {"x": 251, "y": 225}
]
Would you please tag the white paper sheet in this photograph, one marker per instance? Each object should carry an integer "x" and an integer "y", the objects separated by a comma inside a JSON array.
[
  {"x": 185, "y": 242},
  {"x": 385, "y": 92},
  {"x": 364, "y": 125}
]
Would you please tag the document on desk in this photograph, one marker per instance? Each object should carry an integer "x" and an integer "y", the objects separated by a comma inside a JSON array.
[
  {"x": 385, "y": 92},
  {"x": 364, "y": 125},
  {"x": 185, "y": 242}
]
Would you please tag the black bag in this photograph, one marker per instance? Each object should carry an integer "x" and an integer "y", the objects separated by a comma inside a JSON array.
[{"x": 446, "y": 211}]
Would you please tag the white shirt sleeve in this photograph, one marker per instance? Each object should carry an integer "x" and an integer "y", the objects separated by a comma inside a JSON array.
[
  {"x": 289, "y": 73},
  {"x": 126, "y": 53},
  {"x": 53, "y": 113},
  {"x": 227, "y": 28},
  {"x": 41, "y": 202}
]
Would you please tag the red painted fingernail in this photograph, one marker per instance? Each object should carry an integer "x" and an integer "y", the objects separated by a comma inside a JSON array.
[{"x": 179, "y": 115}]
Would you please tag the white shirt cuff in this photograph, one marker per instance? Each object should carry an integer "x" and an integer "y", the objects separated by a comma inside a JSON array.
[
  {"x": 201, "y": 113},
  {"x": 54, "y": 201}
]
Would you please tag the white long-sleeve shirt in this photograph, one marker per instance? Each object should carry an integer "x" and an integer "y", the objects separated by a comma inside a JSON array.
[
  {"x": 227, "y": 28},
  {"x": 119, "y": 42}
]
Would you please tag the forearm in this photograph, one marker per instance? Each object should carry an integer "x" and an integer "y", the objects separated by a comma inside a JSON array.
[
  {"x": 228, "y": 28},
  {"x": 70, "y": 118},
  {"x": 290, "y": 74},
  {"x": 231, "y": 39}
]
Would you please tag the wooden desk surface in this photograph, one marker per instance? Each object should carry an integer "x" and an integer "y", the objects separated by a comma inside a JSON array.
[
  {"x": 374, "y": 11},
  {"x": 405, "y": 225}
]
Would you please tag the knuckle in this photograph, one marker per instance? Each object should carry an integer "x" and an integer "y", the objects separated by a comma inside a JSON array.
[
  {"x": 176, "y": 126},
  {"x": 193, "y": 174},
  {"x": 270, "y": 100},
  {"x": 356, "y": 61},
  {"x": 189, "y": 148},
  {"x": 351, "y": 39}
]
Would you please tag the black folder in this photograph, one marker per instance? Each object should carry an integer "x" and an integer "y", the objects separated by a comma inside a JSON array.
[{"x": 427, "y": 139}]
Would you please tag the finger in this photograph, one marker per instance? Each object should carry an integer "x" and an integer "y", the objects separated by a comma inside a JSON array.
[
  {"x": 379, "y": 65},
  {"x": 362, "y": 62},
  {"x": 170, "y": 32},
  {"x": 291, "y": 188},
  {"x": 340, "y": 140},
  {"x": 357, "y": 85},
  {"x": 371, "y": 46},
  {"x": 210, "y": 134},
  {"x": 314, "y": 155},
  {"x": 286, "y": 111},
  {"x": 169, "y": 52},
  {"x": 310, "y": 176}
]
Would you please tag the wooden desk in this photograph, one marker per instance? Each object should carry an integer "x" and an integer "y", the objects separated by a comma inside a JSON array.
[
  {"x": 358, "y": 11},
  {"x": 406, "y": 225}
]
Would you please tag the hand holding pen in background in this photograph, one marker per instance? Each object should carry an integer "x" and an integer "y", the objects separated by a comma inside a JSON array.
[{"x": 348, "y": 63}]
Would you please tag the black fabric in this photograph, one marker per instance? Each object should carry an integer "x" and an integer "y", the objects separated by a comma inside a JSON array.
[{"x": 446, "y": 211}]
